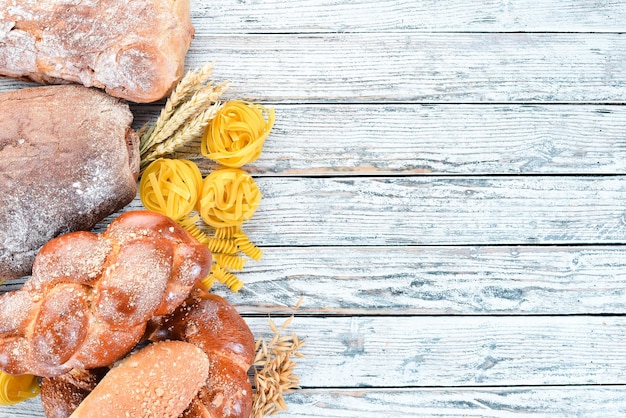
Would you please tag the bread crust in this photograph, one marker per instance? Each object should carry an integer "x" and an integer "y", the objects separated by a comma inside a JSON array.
[
  {"x": 68, "y": 158},
  {"x": 61, "y": 395},
  {"x": 214, "y": 325},
  {"x": 157, "y": 381},
  {"x": 132, "y": 49},
  {"x": 91, "y": 296}
]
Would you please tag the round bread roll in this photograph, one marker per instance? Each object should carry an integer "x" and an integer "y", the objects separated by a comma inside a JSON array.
[{"x": 159, "y": 380}]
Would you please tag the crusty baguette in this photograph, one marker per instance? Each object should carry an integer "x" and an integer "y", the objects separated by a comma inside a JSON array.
[
  {"x": 159, "y": 380},
  {"x": 68, "y": 159},
  {"x": 132, "y": 49}
]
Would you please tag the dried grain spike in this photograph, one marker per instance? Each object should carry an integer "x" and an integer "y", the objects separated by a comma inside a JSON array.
[{"x": 275, "y": 371}]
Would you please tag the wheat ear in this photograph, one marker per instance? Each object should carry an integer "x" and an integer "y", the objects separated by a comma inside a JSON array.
[
  {"x": 191, "y": 131},
  {"x": 188, "y": 85},
  {"x": 197, "y": 102}
]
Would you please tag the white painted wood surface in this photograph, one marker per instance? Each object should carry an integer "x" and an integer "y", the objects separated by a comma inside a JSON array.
[{"x": 445, "y": 186}]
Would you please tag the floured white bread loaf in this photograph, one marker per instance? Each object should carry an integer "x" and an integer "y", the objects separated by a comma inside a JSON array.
[
  {"x": 133, "y": 49},
  {"x": 68, "y": 159}
]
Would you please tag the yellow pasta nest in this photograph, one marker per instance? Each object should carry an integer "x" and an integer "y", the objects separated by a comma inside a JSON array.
[
  {"x": 236, "y": 135},
  {"x": 229, "y": 197},
  {"x": 171, "y": 187},
  {"x": 15, "y": 389}
]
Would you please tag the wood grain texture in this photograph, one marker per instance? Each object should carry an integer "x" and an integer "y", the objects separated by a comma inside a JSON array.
[
  {"x": 356, "y": 140},
  {"x": 237, "y": 16},
  {"x": 413, "y": 211},
  {"x": 404, "y": 281},
  {"x": 487, "y": 403},
  {"x": 420, "y": 68},
  {"x": 457, "y": 351},
  {"x": 424, "y": 68},
  {"x": 435, "y": 210},
  {"x": 565, "y": 402}
]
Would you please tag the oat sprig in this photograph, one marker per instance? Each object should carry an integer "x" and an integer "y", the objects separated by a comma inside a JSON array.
[{"x": 274, "y": 374}]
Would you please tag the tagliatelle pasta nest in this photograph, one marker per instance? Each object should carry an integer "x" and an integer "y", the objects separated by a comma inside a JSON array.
[
  {"x": 229, "y": 198},
  {"x": 225, "y": 200},
  {"x": 235, "y": 136},
  {"x": 171, "y": 187}
]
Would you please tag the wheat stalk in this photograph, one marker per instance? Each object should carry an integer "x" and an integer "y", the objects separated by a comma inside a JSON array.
[
  {"x": 184, "y": 112},
  {"x": 188, "y": 85},
  {"x": 190, "y": 131}
]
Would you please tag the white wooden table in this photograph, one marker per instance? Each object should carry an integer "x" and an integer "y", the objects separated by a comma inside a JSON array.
[{"x": 445, "y": 186}]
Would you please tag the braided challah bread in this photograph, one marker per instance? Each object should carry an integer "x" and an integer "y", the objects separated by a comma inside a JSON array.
[{"x": 91, "y": 296}]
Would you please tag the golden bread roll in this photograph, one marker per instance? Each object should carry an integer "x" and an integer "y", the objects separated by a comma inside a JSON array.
[
  {"x": 157, "y": 381},
  {"x": 214, "y": 325}
]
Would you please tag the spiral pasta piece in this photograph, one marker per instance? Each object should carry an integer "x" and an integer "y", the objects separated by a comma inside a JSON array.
[
  {"x": 226, "y": 232},
  {"x": 247, "y": 247},
  {"x": 230, "y": 261},
  {"x": 171, "y": 187},
  {"x": 189, "y": 225},
  {"x": 223, "y": 246},
  {"x": 15, "y": 389},
  {"x": 227, "y": 278},
  {"x": 229, "y": 197},
  {"x": 208, "y": 281},
  {"x": 236, "y": 135}
]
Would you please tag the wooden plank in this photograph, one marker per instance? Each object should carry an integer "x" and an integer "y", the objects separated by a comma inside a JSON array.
[
  {"x": 413, "y": 67},
  {"x": 406, "y": 281},
  {"x": 605, "y": 401},
  {"x": 431, "y": 351},
  {"x": 488, "y": 402},
  {"x": 426, "y": 68},
  {"x": 438, "y": 211},
  {"x": 434, "y": 280},
  {"x": 470, "y": 351},
  {"x": 341, "y": 140},
  {"x": 235, "y": 16},
  {"x": 569, "y": 401}
]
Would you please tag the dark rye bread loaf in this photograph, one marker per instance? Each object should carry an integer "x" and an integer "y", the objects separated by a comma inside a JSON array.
[
  {"x": 68, "y": 159},
  {"x": 132, "y": 49}
]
